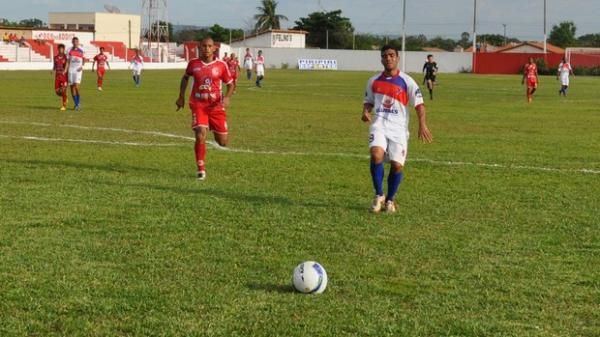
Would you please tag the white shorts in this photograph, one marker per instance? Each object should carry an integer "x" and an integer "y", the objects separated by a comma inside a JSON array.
[
  {"x": 393, "y": 142},
  {"x": 260, "y": 70},
  {"x": 248, "y": 65},
  {"x": 74, "y": 77},
  {"x": 137, "y": 71},
  {"x": 564, "y": 80}
]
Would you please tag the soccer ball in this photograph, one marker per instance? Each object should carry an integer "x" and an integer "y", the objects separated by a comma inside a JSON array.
[{"x": 310, "y": 278}]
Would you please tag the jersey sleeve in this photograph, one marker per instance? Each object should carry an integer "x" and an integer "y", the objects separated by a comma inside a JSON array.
[
  {"x": 369, "y": 96},
  {"x": 414, "y": 92},
  {"x": 226, "y": 77},
  {"x": 188, "y": 69}
]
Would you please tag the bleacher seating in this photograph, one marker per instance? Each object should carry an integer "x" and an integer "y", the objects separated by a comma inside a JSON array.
[{"x": 15, "y": 53}]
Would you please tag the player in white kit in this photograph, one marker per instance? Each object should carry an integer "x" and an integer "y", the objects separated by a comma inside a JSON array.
[
  {"x": 248, "y": 63},
  {"x": 137, "y": 64},
  {"x": 389, "y": 94},
  {"x": 260, "y": 68},
  {"x": 564, "y": 70},
  {"x": 74, "y": 70}
]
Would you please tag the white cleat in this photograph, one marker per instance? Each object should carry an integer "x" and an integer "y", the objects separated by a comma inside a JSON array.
[
  {"x": 390, "y": 206},
  {"x": 378, "y": 204},
  {"x": 99, "y": 88},
  {"x": 201, "y": 175}
]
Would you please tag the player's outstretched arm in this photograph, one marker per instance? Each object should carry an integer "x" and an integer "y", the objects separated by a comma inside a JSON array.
[
  {"x": 228, "y": 94},
  {"x": 93, "y": 65},
  {"x": 424, "y": 133},
  {"x": 366, "y": 115},
  {"x": 182, "y": 89}
]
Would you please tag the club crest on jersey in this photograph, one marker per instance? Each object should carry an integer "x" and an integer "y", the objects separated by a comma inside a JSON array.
[{"x": 387, "y": 106}]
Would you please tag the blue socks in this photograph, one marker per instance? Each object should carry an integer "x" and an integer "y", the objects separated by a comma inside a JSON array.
[
  {"x": 76, "y": 100},
  {"x": 377, "y": 172},
  {"x": 394, "y": 180}
]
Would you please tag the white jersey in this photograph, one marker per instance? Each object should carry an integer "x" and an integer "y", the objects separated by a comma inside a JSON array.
[
  {"x": 75, "y": 57},
  {"x": 390, "y": 98},
  {"x": 564, "y": 70}
]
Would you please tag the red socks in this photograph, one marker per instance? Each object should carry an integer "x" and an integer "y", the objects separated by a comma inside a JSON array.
[
  {"x": 200, "y": 149},
  {"x": 99, "y": 83},
  {"x": 64, "y": 98}
]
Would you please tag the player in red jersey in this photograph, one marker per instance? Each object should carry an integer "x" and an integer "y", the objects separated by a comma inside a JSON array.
[
  {"x": 60, "y": 78},
  {"x": 206, "y": 100},
  {"x": 531, "y": 74},
  {"x": 102, "y": 61},
  {"x": 234, "y": 69}
]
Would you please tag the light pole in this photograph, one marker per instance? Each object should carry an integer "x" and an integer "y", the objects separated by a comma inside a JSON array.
[
  {"x": 404, "y": 35},
  {"x": 474, "y": 34},
  {"x": 504, "y": 24},
  {"x": 545, "y": 35}
]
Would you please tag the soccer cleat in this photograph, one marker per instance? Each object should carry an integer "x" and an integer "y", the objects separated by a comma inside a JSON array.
[
  {"x": 77, "y": 108},
  {"x": 99, "y": 88},
  {"x": 201, "y": 175},
  {"x": 378, "y": 203},
  {"x": 390, "y": 206},
  {"x": 63, "y": 108}
]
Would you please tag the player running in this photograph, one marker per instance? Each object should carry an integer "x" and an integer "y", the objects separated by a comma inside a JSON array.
[
  {"x": 234, "y": 69},
  {"x": 564, "y": 70},
  {"x": 260, "y": 68},
  {"x": 430, "y": 69},
  {"x": 137, "y": 64},
  {"x": 226, "y": 57},
  {"x": 531, "y": 74},
  {"x": 60, "y": 78},
  {"x": 389, "y": 94},
  {"x": 74, "y": 69},
  {"x": 102, "y": 61},
  {"x": 248, "y": 63},
  {"x": 206, "y": 100}
]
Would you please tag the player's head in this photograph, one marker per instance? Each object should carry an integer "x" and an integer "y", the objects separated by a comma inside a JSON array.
[
  {"x": 389, "y": 58},
  {"x": 225, "y": 54},
  {"x": 137, "y": 52},
  {"x": 232, "y": 56},
  {"x": 260, "y": 52},
  {"x": 531, "y": 60},
  {"x": 429, "y": 57},
  {"x": 564, "y": 59},
  {"x": 207, "y": 48},
  {"x": 75, "y": 42},
  {"x": 61, "y": 48},
  {"x": 101, "y": 50}
]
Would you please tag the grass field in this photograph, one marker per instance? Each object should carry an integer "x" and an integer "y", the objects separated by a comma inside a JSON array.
[{"x": 105, "y": 232}]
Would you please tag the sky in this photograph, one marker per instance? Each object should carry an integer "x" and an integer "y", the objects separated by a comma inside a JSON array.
[{"x": 446, "y": 18}]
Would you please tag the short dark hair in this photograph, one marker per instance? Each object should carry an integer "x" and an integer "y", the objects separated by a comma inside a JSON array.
[
  {"x": 75, "y": 38},
  {"x": 60, "y": 46},
  {"x": 388, "y": 47},
  {"x": 430, "y": 55},
  {"x": 101, "y": 48}
]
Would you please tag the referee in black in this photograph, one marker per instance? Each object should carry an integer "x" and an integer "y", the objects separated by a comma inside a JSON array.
[{"x": 430, "y": 69}]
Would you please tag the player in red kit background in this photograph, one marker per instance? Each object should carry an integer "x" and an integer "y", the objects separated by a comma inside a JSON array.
[
  {"x": 60, "y": 78},
  {"x": 102, "y": 60},
  {"x": 531, "y": 74},
  {"x": 206, "y": 100},
  {"x": 234, "y": 69}
]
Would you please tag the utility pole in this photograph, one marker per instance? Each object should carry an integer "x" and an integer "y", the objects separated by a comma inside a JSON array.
[
  {"x": 504, "y": 24},
  {"x": 404, "y": 35},
  {"x": 545, "y": 35},
  {"x": 327, "y": 39},
  {"x": 474, "y": 33}
]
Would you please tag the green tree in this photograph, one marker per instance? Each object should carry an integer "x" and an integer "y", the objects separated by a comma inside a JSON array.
[
  {"x": 563, "y": 34},
  {"x": 267, "y": 17},
  {"x": 321, "y": 24},
  {"x": 440, "y": 42},
  {"x": 589, "y": 40},
  {"x": 31, "y": 23},
  {"x": 465, "y": 40}
]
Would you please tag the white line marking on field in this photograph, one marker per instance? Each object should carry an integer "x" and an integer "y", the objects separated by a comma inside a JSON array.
[{"x": 284, "y": 153}]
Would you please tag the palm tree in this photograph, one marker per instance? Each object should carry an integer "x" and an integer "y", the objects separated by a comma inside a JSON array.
[{"x": 267, "y": 18}]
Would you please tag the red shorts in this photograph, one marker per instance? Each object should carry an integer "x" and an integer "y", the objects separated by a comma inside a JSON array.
[
  {"x": 209, "y": 115},
  {"x": 532, "y": 83},
  {"x": 101, "y": 72},
  {"x": 60, "y": 81}
]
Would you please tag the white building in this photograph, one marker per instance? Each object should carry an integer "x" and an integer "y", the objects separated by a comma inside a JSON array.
[{"x": 273, "y": 38}]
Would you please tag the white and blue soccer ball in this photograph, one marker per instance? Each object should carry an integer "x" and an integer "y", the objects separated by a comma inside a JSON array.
[{"x": 310, "y": 278}]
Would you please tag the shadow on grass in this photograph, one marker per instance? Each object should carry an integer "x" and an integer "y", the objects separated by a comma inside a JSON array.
[
  {"x": 271, "y": 288},
  {"x": 75, "y": 165}
]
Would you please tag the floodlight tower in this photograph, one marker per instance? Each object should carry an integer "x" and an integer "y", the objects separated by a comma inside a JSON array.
[{"x": 155, "y": 25}]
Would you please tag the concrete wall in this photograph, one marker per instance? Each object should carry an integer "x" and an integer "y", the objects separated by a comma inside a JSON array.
[
  {"x": 64, "y": 37},
  {"x": 274, "y": 39},
  {"x": 367, "y": 60},
  {"x": 88, "y": 76},
  {"x": 116, "y": 27}
]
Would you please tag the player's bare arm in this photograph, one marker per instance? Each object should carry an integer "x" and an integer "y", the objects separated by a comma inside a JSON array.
[
  {"x": 93, "y": 65},
  {"x": 180, "y": 103},
  {"x": 424, "y": 133},
  {"x": 67, "y": 66},
  {"x": 366, "y": 115},
  {"x": 228, "y": 94}
]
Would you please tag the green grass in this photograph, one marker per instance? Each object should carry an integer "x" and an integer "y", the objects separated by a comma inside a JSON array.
[{"x": 117, "y": 240}]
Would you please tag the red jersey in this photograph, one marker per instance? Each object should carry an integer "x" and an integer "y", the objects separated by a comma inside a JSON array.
[
  {"x": 233, "y": 65},
  {"x": 531, "y": 71},
  {"x": 208, "y": 80},
  {"x": 101, "y": 60},
  {"x": 60, "y": 63}
]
